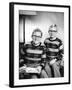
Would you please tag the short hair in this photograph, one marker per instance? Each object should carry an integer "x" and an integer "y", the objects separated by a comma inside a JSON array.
[
  {"x": 53, "y": 26},
  {"x": 37, "y": 30}
]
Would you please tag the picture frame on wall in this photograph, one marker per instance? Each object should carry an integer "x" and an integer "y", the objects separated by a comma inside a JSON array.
[{"x": 39, "y": 44}]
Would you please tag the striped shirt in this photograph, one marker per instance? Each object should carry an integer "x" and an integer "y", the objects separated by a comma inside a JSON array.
[
  {"x": 54, "y": 48},
  {"x": 33, "y": 55}
]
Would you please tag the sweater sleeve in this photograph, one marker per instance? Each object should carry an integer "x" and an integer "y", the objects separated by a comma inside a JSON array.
[
  {"x": 61, "y": 50},
  {"x": 43, "y": 61}
]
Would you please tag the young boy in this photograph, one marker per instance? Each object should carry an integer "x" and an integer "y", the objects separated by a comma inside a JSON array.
[
  {"x": 54, "y": 51},
  {"x": 34, "y": 56}
]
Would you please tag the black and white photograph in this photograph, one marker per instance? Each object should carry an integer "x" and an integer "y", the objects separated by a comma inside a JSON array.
[{"x": 40, "y": 44}]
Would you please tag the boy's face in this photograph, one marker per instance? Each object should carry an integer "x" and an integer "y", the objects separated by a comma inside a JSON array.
[
  {"x": 52, "y": 33},
  {"x": 36, "y": 37}
]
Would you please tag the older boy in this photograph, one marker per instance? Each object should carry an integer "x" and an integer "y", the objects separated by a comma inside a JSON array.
[
  {"x": 34, "y": 56},
  {"x": 54, "y": 52}
]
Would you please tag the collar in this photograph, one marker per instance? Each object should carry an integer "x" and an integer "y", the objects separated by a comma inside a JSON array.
[
  {"x": 52, "y": 39},
  {"x": 36, "y": 45}
]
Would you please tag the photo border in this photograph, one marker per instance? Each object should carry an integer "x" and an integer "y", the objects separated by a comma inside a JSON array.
[{"x": 11, "y": 42}]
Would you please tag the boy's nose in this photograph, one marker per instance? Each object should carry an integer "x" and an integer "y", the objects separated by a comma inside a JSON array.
[
  {"x": 51, "y": 34},
  {"x": 35, "y": 38}
]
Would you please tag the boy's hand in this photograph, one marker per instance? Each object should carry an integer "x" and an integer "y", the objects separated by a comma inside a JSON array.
[
  {"x": 21, "y": 61},
  {"x": 39, "y": 69},
  {"x": 22, "y": 69},
  {"x": 52, "y": 61}
]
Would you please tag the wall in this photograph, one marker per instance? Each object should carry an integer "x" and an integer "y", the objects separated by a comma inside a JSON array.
[
  {"x": 21, "y": 29},
  {"x": 43, "y": 20}
]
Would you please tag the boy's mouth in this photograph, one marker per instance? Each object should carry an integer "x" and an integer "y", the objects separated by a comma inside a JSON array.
[{"x": 36, "y": 43}]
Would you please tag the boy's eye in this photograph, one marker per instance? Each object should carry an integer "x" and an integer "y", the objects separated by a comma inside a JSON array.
[
  {"x": 37, "y": 36},
  {"x": 52, "y": 31}
]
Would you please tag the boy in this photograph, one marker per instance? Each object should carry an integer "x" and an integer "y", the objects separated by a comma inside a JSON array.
[
  {"x": 34, "y": 56},
  {"x": 54, "y": 51}
]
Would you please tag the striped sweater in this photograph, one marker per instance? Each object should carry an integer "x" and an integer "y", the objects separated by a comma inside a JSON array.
[
  {"x": 34, "y": 55},
  {"x": 54, "y": 49}
]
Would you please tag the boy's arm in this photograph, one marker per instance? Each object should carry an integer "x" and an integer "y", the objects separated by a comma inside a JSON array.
[
  {"x": 46, "y": 41},
  {"x": 22, "y": 53},
  {"x": 61, "y": 50},
  {"x": 23, "y": 49},
  {"x": 43, "y": 61}
]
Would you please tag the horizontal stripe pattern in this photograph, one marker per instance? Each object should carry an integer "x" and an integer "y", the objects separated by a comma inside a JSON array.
[
  {"x": 50, "y": 45},
  {"x": 52, "y": 53},
  {"x": 53, "y": 50},
  {"x": 33, "y": 54},
  {"x": 33, "y": 59},
  {"x": 33, "y": 65},
  {"x": 53, "y": 47},
  {"x": 52, "y": 56},
  {"x": 52, "y": 42},
  {"x": 34, "y": 51}
]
